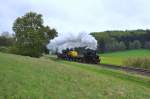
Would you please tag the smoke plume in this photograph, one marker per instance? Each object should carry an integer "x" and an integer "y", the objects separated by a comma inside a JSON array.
[{"x": 71, "y": 40}]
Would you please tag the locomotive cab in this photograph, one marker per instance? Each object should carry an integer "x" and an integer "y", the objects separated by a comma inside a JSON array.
[{"x": 90, "y": 56}]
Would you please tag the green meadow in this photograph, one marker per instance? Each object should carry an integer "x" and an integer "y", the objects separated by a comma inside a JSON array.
[
  {"x": 49, "y": 78},
  {"x": 117, "y": 58}
]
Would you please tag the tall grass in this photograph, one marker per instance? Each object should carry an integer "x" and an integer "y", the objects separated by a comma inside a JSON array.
[
  {"x": 48, "y": 78},
  {"x": 139, "y": 62}
]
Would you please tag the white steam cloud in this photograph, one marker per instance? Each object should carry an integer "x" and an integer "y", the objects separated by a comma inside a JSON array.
[{"x": 72, "y": 41}]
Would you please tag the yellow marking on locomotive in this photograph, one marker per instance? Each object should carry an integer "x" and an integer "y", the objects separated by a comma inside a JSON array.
[{"x": 73, "y": 53}]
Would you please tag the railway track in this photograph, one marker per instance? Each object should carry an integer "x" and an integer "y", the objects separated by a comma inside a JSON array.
[
  {"x": 127, "y": 69},
  {"x": 145, "y": 72}
]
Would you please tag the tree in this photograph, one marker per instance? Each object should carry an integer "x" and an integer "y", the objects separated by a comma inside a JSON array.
[
  {"x": 48, "y": 34},
  {"x": 128, "y": 37},
  {"x": 113, "y": 46},
  {"x": 135, "y": 45},
  {"x": 147, "y": 45},
  {"x": 6, "y": 39},
  {"x": 31, "y": 35},
  {"x": 6, "y": 34},
  {"x": 122, "y": 46},
  {"x": 131, "y": 45}
]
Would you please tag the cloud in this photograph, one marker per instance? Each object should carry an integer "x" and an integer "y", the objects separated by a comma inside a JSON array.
[{"x": 80, "y": 15}]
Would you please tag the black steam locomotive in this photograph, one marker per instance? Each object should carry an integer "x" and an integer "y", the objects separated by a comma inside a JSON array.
[{"x": 88, "y": 56}]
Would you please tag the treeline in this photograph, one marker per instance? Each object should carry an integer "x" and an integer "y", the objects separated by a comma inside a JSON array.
[
  {"x": 110, "y": 41},
  {"x": 6, "y": 41}
]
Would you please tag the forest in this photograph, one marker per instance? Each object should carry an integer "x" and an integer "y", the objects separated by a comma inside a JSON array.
[{"x": 110, "y": 41}]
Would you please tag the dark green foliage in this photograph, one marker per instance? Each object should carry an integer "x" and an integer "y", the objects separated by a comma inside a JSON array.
[
  {"x": 6, "y": 41},
  {"x": 110, "y": 39},
  {"x": 3, "y": 49},
  {"x": 122, "y": 46},
  {"x": 115, "y": 46},
  {"x": 135, "y": 45},
  {"x": 48, "y": 34},
  {"x": 8, "y": 49},
  {"x": 131, "y": 45},
  {"x": 147, "y": 45},
  {"x": 31, "y": 35}
]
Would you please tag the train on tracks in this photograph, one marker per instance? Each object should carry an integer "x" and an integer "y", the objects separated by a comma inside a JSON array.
[{"x": 88, "y": 56}]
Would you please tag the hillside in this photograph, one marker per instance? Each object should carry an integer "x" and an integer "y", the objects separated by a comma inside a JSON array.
[{"x": 49, "y": 78}]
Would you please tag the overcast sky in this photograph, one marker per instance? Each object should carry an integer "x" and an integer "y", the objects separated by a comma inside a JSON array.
[{"x": 80, "y": 15}]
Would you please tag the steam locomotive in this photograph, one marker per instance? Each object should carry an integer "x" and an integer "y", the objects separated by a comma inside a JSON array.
[{"x": 88, "y": 56}]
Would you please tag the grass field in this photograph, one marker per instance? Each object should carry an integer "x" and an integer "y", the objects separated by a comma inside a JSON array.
[
  {"x": 49, "y": 78},
  {"x": 117, "y": 58}
]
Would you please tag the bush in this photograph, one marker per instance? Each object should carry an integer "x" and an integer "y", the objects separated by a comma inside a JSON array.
[
  {"x": 11, "y": 49},
  {"x": 3, "y": 49},
  {"x": 138, "y": 62}
]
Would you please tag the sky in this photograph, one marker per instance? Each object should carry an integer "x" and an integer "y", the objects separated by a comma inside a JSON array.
[{"x": 80, "y": 15}]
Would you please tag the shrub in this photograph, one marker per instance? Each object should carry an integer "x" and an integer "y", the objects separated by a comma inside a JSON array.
[
  {"x": 3, "y": 49},
  {"x": 138, "y": 62},
  {"x": 10, "y": 49}
]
